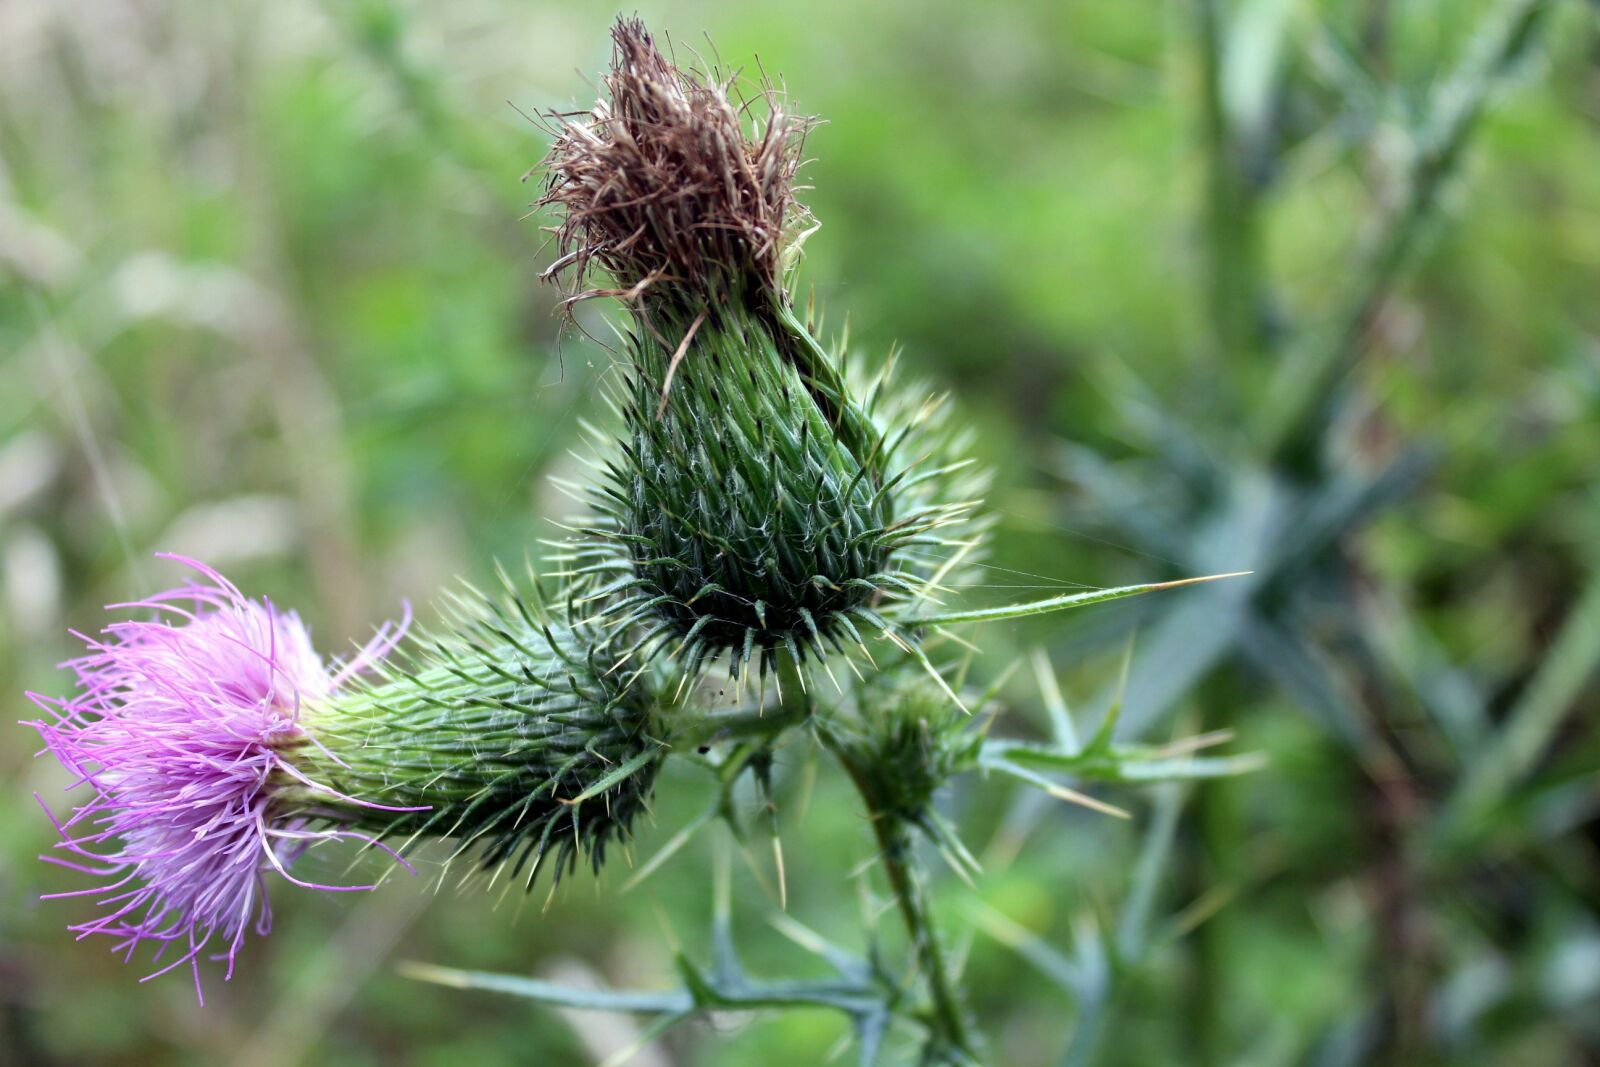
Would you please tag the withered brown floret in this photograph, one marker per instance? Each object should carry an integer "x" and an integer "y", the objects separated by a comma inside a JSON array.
[{"x": 677, "y": 187}]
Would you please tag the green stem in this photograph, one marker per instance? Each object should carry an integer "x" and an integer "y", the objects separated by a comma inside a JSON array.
[
  {"x": 906, "y": 879},
  {"x": 742, "y": 724},
  {"x": 947, "y": 1018},
  {"x": 1219, "y": 829}
]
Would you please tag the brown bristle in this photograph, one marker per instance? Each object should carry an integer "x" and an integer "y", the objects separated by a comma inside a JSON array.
[{"x": 676, "y": 183}]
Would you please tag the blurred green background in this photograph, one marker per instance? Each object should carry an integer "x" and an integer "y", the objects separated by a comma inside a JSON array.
[{"x": 267, "y": 298}]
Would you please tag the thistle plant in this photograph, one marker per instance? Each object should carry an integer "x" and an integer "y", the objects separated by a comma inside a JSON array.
[{"x": 766, "y": 519}]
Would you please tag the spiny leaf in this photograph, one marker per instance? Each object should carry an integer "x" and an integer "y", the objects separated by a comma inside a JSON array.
[{"x": 1060, "y": 603}]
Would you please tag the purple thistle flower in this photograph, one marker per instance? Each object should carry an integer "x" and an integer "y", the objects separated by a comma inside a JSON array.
[{"x": 183, "y": 727}]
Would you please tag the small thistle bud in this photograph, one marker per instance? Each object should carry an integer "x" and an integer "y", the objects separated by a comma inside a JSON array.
[
  {"x": 902, "y": 745},
  {"x": 219, "y": 747},
  {"x": 758, "y": 500}
]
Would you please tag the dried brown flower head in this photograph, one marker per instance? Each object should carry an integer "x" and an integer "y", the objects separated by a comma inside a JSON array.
[{"x": 677, "y": 186}]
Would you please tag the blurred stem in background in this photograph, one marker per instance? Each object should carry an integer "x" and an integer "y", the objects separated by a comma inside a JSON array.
[
  {"x": 1236, "y": 308},
  {"x": 1234, "y": 301},
  {"x": 376, "y": 30}
]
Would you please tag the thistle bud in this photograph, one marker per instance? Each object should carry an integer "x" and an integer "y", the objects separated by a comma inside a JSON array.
[
  {"x": 901, "y": 745},
  {"x": 218, "y": 748},
  {"x": 511, "y": 734},
  {"x": 758, "y": 499}
]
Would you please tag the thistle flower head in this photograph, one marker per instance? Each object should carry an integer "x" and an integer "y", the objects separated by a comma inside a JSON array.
[
  {"x": 759, "y": 499},
  {"x": 675, "y": 184},
  {"x": 182, "y": 725},
  {"x": 217, "y": 747}
]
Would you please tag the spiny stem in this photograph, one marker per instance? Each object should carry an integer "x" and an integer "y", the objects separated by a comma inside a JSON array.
[
  {"x": 906, "y": 879},
  {"x": 1062, "y": 603}
]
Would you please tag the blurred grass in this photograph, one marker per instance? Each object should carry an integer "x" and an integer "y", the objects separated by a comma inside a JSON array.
[{"x": 266, "y": 298}]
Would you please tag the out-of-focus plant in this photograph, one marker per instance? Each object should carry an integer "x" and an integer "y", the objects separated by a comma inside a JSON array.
[
  {"x": 1283, "y": 468},
  {"x": 770, "y": 542}
]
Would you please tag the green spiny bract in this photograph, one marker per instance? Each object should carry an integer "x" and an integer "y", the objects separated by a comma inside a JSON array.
[
  {"x": 759, "y": 498},
  {"x": 512, "y": 734}
]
